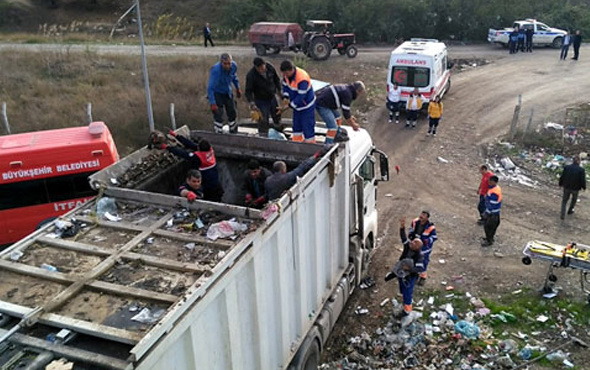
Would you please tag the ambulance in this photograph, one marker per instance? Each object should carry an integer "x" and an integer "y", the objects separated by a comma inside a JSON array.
[{"x": 421, "y": 63}]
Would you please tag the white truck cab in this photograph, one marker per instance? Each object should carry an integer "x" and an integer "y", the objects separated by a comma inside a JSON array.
[{"x": 421, "y": 63}]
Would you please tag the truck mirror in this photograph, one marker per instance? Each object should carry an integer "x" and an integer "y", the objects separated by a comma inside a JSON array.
[{"x": 383, "y": 165}]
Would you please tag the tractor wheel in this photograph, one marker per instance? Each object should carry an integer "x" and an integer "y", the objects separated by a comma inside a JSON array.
[
  {"x": 260, "y": 50},
  {"x": 341, "y": 51},
  {"x": 320, "y": 48},
  {"x": 527, "y": 260},
  {"x": 351, "y": 51}
]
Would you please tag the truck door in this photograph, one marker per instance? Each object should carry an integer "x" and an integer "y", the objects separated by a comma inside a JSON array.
[
  {"x": 541, "y": 35},
  {"x": 367, "y": 174}
]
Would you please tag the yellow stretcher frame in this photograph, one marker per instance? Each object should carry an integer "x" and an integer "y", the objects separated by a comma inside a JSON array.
[{"x": 572, "y": 255}]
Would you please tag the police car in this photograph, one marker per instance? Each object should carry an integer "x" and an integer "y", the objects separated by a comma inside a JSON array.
[{"x": 543, "y": 34}]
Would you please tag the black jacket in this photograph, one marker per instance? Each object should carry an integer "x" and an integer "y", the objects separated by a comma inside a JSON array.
[
  {"x": 577, "y": 40},
  {"x": 259, "y": 87},
  {"x": 277, "y": 183},
  {"x": 345, "y": 94},
  {"x": 573, "y": 177},
  {"x": 415, "y": 256},
  {"x": 255, "y": 187}
]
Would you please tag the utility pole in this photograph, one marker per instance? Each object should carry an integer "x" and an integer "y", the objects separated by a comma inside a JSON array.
[{"x": 146, "y": 81}]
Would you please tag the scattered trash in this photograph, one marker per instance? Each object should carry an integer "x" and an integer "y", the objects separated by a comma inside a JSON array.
[
  {"x": 150, "y": 240},
  {"x": 498, "y": 255},
  {"x": 47, "y": 267},
  {"x": 190, "y": 246},
  {"x": 220, "y": 255},
  {"x": 450, "y": 287},
  {"x": 199, "y": 224},
  {"x": 16, "y": 255},
  {"x": 384, "y": 302},
  {"x": 483, "y": 311},
  {"x": 467, "y": 329},
  {"x": 550, "y": 295},
  {"x": 367, "y": 283},
  {"x": 505, "y": 362},
  {"x": 507, "y": 164},
  {"x": 225, "y": 229},
  {"x": 146, "y": 316},
  {"x": 111, "y": 217},
  {"x": 361, "y": 311},
  {"x": 554, "y": 126},
  {"x": 567, "y": 363},
  {"x": 65, "y": 228},
  {"x": 106, "y": 205},
  {"x": 269, "y": 211},
  {"x": 442, "y": 160},
  {"x": 389, "y": 195},
  {"x": 430, "y": 300},
  {"x": 449, "y": 309},
  {"x": 508, "y": 346},
  {"x": 542, "y": 318},
  {"x": 61, "y": 364},
  {"x": 441, "y": 261},
  {"x": 516, "y": 292},
  {"x": 558, "y": 356}
]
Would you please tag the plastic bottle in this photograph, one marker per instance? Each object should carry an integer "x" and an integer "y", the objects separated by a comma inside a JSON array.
[{"x": 48, "y": 267}]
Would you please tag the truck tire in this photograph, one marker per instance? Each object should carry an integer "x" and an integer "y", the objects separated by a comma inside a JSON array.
[
  {"x": 320, "y": 48},
  {"x": 557, "y": 42},
  {"x": 308, "y": 355},
  {"x": 351, "y": 51},
  {"x": 275, "y": 50},
  {"x": 260, "y": 50}
]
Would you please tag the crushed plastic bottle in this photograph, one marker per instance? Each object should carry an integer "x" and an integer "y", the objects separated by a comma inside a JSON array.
[
  {"x": 525, "y": 353},
  {"x": 558, "y": 356},
  {"x": 48, "y": 267}
]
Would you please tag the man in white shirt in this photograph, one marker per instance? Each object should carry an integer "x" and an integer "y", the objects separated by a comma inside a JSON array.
[{"x": 393, "y": 102}]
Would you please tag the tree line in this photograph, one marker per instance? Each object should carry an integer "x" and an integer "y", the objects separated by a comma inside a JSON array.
[{"x": 390, "y": 20}]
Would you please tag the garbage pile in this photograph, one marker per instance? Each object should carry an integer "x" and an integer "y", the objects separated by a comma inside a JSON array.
[
  {"x": 506, "y": 169},
  {"x": 443, "y": 340}
]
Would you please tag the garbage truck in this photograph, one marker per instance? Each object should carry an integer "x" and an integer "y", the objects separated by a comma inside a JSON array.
[{"x": 140, "y": 278}]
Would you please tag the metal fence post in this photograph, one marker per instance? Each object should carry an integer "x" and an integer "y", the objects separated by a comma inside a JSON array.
[{"x": 5, "y": 118}]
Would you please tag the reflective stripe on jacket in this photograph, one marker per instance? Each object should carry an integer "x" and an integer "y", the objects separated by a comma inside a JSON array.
[
  {"x": 298, "y": 90},
  {"x": 414, "y": 103},
  {"x": 494, "y": 200},
  {"x": 428, "y": 235}
]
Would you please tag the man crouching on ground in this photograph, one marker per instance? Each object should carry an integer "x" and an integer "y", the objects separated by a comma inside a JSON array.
[{"x": 408, "y": 268}]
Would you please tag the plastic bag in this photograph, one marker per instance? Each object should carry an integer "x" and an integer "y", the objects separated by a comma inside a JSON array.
[
  {"x": 106, "y": 205},
  {"x": 225, "y": 229},
  {"x": 467, "y": 329},
  {"x": 146, "y": 316}
]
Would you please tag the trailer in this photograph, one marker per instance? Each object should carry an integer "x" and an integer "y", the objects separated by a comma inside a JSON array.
[{"x": 136, "y": 279}]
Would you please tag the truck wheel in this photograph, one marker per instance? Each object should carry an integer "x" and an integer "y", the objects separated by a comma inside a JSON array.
[
  {"x": 557, "y": 42},
  {"x": 260, "y": 50},
  {"x": 320, "y": 48},
  {"x": 308, "y": 355},
  {"x": 341, "y": 51},
  {"x": 275, "y": 50},
  {"x": 351, "y": 51}
]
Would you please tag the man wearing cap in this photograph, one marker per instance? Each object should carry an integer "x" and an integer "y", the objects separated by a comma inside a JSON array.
[
  {"x": 262, "y": 85},
  {"x": 219, "y": 92},
  {"x": 333, "y": 98}
]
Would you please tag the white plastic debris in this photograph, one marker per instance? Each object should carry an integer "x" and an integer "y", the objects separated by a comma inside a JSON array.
[
  {"x": 190, "y": 246},
  {"x": 449, "y": 309},
  {"x": 146, "y": 316},
  {"x": 554, "y": 126},
  {"x": 442, "y": 160},
  {"x": 16, "y": 255},
  {"x": 225, "y": 229},
  {"x": 441, "y": 261},
  {"x": 384, "y": 302},
  {"x": 507, "y": 164},
  {"x": 170, "y": 222},
  {"x": 542, "y": 318},
  {"x": 220, "y": 255},
  {"x": 150, "y": 240},
  {"x": 111, "y": 217}
]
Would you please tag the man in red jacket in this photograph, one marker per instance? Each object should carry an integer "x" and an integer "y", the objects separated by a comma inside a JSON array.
[{"x": 483, "y": 189}]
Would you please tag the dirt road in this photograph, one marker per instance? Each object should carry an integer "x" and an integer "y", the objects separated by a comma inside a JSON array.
[{"x": 478, "y": 110}]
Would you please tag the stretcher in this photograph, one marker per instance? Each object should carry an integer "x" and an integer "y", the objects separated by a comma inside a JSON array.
[{"x": 572, "y": 255}]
